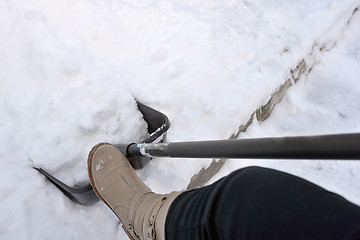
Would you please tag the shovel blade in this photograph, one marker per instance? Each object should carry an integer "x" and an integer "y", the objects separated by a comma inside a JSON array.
[{"x": 158, "y": 123}]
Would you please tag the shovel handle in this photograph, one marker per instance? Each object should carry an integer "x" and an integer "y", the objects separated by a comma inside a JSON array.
[{"x": 341, "y": 146}]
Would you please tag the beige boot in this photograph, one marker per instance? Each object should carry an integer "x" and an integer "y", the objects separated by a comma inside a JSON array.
[{"x": 142, "y": 212}]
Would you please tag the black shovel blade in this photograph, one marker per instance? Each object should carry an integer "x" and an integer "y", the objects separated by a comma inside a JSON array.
[
  {"x": 83, "y": 195},
  {"x": 158, "y": 123}
]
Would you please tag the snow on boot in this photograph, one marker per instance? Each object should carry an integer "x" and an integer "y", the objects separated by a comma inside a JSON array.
[{"x": 142, "y": 212}]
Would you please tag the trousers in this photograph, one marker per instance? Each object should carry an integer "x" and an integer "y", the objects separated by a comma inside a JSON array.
[{"x": 261, "y": 203}]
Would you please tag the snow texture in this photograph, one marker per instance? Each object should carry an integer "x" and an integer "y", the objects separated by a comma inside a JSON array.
[{"x": 70, "y": 71}]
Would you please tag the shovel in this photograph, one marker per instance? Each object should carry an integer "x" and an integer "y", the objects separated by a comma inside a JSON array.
[
  {"x": 325, "y": 147},
  {"x": 158, "y": 123}
]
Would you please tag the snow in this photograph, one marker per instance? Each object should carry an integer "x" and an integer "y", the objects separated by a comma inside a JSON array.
[
  {"x": 326, "y": 102},
  {"x": 71, "y": 70}
]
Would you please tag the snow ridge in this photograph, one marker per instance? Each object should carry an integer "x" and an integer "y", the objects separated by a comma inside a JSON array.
[{"x": 318, "y": 50}]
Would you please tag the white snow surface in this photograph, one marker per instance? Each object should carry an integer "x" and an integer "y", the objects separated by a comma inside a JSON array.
[{"x": 70, "y": 71}]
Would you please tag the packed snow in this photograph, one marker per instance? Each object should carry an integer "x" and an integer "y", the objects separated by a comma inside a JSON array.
[{"x": 72, "y": 69}]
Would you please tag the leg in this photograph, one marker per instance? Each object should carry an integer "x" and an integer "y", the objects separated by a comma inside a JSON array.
[{"x": 259, "y": 203}]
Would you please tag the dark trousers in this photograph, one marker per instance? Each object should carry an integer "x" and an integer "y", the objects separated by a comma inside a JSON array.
[{"x": 260, "y": 203}]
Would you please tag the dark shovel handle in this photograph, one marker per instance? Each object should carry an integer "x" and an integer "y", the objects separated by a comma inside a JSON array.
[{"x": 341, "y": 146}]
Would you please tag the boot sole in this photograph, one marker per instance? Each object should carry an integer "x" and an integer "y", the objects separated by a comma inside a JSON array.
[{"x": 92, "y": 182}]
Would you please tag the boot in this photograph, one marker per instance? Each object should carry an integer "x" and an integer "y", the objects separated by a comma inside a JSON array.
[{"x": 141, "y": 212}]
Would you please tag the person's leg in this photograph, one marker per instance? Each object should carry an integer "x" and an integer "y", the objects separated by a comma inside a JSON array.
[{"x": 259, "y": 203}]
